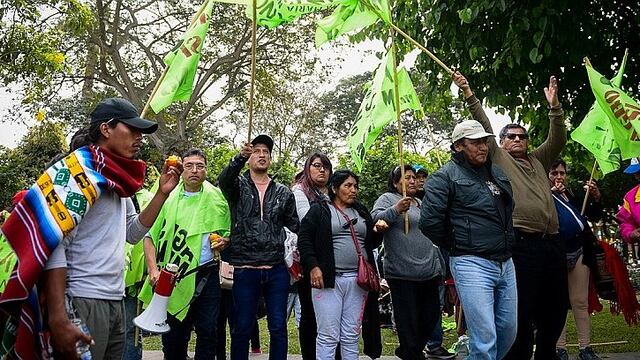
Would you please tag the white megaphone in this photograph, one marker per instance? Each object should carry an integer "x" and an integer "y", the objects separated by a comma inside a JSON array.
[{"x": 154, "y": 318}]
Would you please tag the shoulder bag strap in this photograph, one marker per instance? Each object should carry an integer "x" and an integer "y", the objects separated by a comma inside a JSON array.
[{"x": 353, "y": 231}]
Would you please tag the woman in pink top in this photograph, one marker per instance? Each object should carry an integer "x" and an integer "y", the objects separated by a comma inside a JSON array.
[{"x": 629, "y": 213}]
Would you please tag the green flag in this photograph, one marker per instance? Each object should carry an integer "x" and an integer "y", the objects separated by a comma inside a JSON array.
[
  {"x": 596, "y": 135},
  {"x": 378, "y": 108},
  {"x": 271, "y": 13},
  {"x": 622, "y": 111},
  {"x": 349, "y": 16},
  {"x": 182, "y": 63}
]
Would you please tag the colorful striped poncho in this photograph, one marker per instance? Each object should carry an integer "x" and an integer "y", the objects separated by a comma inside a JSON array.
[{"x": 52, "y": 208}]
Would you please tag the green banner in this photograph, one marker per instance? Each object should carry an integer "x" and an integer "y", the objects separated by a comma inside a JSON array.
[
  {"x": 271, "y": 13},
  {"x": 177, "y": 235},
  {"x": 350, "y": 16},
  {"x": 622, "y": 111},
  {"x": 596, "y": 135},
  {"x": 182, "y": 63},
  {"x": 379, "y": 108}
]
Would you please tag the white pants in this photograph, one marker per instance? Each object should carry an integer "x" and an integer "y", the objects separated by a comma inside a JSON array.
[{"x": 339, "y": 317}]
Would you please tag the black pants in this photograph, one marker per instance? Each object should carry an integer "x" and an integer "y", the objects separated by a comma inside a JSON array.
[
  {"x": 543, "y": 297},
  {"x": 225, "y": 317},
  {"x": 416, "y": 309},
  {"x": 202, "y": 316}
]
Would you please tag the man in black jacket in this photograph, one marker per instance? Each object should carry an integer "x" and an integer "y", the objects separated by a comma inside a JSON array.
[
  {"x": 467, "y": 210},
  {"x": 260, "y": 210}
]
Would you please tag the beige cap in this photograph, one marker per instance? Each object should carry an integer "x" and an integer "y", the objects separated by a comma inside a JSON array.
[{"x": 469, "y": 129}]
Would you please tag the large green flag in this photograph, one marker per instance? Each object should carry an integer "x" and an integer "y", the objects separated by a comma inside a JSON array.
[
  {"x": 349, "y": 16},
  {"x": 271, "y": 13},
  {"x": 182, "y": 63},
  {"x": 596, "y": 135},
  {"x": 378, "y": 108},
  {"x": 622, "y": 111}
]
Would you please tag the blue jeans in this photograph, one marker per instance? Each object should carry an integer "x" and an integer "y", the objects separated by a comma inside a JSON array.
[
  {"x": 487, "y": 291},
  {"x": 248, "y": 284},
  {"x": 131, "y": 352},
  {"x": 203, "y": 317}
]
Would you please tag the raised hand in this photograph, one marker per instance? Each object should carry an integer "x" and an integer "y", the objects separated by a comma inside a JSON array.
[{"x": 551, "y": 92}]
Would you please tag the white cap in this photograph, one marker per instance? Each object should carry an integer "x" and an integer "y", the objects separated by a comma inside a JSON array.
[{"x": 469, "y": 129}]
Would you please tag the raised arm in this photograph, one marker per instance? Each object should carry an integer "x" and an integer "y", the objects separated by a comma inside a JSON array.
[
  {"x": 550, "y": 149},
  {"x": 228, "y": 178},
  {"x": 475, "y": 107}
]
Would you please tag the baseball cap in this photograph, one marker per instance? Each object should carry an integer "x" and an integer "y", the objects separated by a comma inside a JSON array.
[
  {"x": 469, "y": 129},
  {"x": 263, "y": 139},
  {"x": 123, "y": 111},
  {"x": 634, "y": 167},
  {"x": 417, "y": 168}
]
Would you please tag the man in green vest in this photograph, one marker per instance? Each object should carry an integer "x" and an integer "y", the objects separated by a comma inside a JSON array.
[{"x": 180, "y": 236}]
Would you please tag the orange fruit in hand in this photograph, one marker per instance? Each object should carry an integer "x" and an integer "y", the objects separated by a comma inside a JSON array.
[
  {"x": 172, "y": 161},
  {"x": 213, "y": 239}
]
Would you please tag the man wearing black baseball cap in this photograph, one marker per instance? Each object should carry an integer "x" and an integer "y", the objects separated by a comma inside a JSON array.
[
  {"x": 123, "y": 111},
  {"x": 260, "y": 209}
]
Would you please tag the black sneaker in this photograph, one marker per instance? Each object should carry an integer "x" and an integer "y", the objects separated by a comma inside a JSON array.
[
  {"x": 440, "y": 353},
  {"x": 587, "y": 354},
  {"x": 562, "y": 354}
]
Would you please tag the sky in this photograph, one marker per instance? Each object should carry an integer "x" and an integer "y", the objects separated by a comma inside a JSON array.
[{"x": 358, "y": 59}]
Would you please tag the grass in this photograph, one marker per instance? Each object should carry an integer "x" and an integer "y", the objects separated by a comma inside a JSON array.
[{"x": 605, "y": 328}]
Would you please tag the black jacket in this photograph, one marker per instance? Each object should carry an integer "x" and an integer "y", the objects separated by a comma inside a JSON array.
[
  {"x": 459, "y": 212},
  {"x": 256, "y": 240},
  {"x": 316, "y": 249}
]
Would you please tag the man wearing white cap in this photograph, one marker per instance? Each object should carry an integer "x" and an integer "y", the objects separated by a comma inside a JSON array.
[
  {"x": 539, "y": 255},
  {"x": 467, "y": 210}
]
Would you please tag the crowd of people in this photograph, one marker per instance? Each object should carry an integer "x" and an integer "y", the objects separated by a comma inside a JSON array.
[{"x": 498, "y": 218}]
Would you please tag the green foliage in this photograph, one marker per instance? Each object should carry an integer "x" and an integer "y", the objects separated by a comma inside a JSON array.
[
  {"x": 508, "y": 49},
  {"x": 380, "y": 160},
  {"x": 20, "y": 167},
  {"x": 33, "y": 40}
]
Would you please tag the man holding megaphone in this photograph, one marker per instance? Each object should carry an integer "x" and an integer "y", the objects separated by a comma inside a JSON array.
[{"x": 191, "y": 216}]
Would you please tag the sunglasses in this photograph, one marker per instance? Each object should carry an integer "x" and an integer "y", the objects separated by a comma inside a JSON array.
[
  {"x": 321, "y": 166},
  {"x": 512, "y": 136},
  {"x": 349, "y": 223}
]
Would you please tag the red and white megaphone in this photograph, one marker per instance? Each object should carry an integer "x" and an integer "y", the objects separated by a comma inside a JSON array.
[{"x": 154, "y": 318}]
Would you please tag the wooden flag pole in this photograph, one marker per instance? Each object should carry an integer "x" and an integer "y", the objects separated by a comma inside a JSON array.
[
  {"x": 396, "y": 95},
  {"x": 254, "y": 44},
  {"x": 433, "y": 140},
  {"x": 411, "y": 40},
  {"x": 145, "y": 110},
  {"x": 586, "y": 194}
]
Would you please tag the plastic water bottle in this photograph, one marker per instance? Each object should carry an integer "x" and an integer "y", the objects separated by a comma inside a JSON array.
[{"x": 82, "y": 348}]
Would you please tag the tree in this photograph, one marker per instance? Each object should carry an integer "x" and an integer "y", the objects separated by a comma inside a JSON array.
[
  {"x": 508, "y": 49},
  {"x": 20, "y": 167},
  {"x": 121, "y": 54}
]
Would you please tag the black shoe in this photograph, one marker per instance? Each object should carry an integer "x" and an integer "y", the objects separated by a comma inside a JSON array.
[
  {"x": 562, "y": 354},
  {"x": 440, "y": 353},
  {"x": 587, "y": 354}
]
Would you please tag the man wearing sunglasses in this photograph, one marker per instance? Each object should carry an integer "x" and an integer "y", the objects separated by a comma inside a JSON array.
[{"x": 538, "y": 254}]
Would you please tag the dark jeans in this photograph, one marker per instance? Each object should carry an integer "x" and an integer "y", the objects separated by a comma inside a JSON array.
[
  {"x": 225, "y": 315},
  {"x": 203, "y": 317},
  {"x": 307, "y": 331},
  {"x": 248, "y": 284},
  {"x": 543, "y": 297},
  {"x": 416, "y": 309},
  {"x": 131, "y": 352}
]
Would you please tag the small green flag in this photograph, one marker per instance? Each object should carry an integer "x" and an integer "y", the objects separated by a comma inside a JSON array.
[
  {"x": 349, "y": 16},
  {"x": 272, "y": 13},
  {"x": 182, "y": 61},
  {"x": 596, "y": 135},
  {"x": 378, "y": 108},
  {"x": 622, "y": 111}
]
